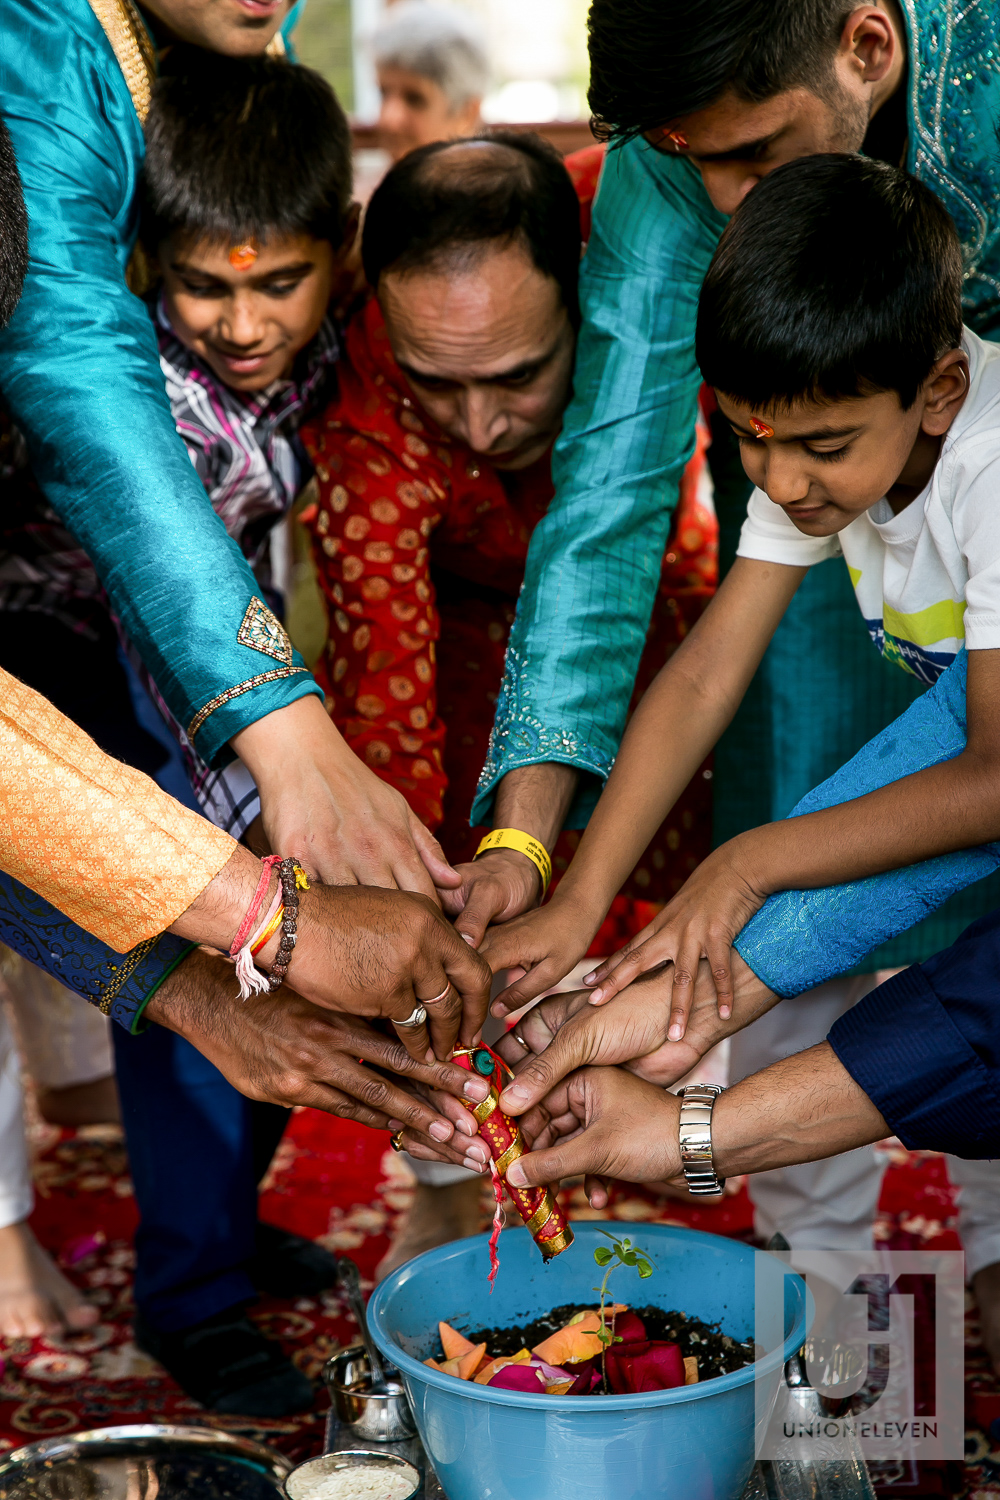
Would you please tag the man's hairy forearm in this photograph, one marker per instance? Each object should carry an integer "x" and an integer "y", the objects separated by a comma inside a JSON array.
[
  {"x": 801, "y": 1109},
  {"x": 214, "y": 917},
  {"x": 536, "y": 799}
]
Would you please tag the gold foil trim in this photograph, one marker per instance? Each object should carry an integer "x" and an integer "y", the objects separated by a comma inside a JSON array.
[
  {"x": 557, "y": 1243},
  {"x": 542, "y": 1214},
  {"x": 483, "y": 1111},
  {"x": 513, "y": 1151}
]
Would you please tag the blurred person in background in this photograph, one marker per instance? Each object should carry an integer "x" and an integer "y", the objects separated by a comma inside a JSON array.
[{"x": 433, "y": 71}]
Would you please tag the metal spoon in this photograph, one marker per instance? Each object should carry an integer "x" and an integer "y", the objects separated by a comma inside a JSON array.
[{"x": 351, "y": 1283}]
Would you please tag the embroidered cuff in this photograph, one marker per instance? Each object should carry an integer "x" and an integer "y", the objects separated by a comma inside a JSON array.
[
  {"x": 259, "y": 630},
  {"x": 119, "y": 984}
]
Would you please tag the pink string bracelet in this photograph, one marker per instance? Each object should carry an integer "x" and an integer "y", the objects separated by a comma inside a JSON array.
[{"x": 252, "y": 981}]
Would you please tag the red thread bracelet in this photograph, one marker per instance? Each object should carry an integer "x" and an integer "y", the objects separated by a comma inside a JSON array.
[{"x": 246, "y": 926}]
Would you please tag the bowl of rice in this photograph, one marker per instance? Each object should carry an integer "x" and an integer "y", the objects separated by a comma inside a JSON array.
[{"x": 360, "y": 1474}]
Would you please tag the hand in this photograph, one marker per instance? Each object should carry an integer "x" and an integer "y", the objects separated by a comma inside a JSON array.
[
  {"x": 496, "y": 887},
  {"x": 283, "y": 1050},
  {"x": 538, "y": 950},
  {"x": 701, "y": 921},
  {"x": 381, "y": 953},
  {"x": 605, "y": 1124},
  {"x": 322, "y": 805},
  {"x": 564, "y": 1033}
]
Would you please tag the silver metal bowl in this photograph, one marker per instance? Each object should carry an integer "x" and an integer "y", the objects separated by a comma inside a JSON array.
[
  {"x": 376, "y": 1418},
  {"x": 301, "y": 1482},
  {"x": 140, "y": 1462}
]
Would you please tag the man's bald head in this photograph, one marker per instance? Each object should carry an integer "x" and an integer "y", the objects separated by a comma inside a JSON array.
[{"x": 449, "y": 203}]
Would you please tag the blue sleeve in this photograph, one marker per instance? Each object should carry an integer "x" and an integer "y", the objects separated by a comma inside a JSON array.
[
  {"x": 925, "y": 1047},
  {"x": 798, "y": 939},
  {"x": 120, "y": 985},
  {"x": 595, "y": 558},
  {"x": 81, "y": 377}
]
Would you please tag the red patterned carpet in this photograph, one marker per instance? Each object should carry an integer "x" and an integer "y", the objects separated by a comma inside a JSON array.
[{"x": 339, "y": 1185}]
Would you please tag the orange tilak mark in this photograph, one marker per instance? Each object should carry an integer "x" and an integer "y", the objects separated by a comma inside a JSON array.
[
  {"x": 761, "y": 429},
  {"x": 242, "y": 257}
]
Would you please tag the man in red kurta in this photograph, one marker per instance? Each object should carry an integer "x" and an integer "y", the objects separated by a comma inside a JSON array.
[
  {"x": 434, "y": 467},
  {"x": 420, "y": 543}
]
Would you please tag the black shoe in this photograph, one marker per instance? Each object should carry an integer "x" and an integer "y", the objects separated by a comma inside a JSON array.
[
  {"x": 286, "y": 1265},
  {"x": 228, "y": 1365}
]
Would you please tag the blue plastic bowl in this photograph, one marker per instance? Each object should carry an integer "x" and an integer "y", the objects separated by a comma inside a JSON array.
[{"x": 693, "y": 1443}]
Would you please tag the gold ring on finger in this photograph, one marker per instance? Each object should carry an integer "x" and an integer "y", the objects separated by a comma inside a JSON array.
[
  {"x": 519, "y": 1038},
  {"x": 416, "y": 1018},
  {"x": 435, "y": 998},
  {"x": 396, "y": 1141}
]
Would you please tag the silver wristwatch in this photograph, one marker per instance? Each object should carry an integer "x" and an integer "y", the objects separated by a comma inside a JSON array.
[{"x": 697, "y": 1102}]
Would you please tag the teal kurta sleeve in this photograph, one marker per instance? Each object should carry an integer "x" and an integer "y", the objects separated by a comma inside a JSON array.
[
  {"x": 595, "y": 558},
  {"x": 80, "y": 374}
]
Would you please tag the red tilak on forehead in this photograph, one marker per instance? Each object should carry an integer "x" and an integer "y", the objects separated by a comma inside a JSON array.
[
  {"x": 761, "y": 429},
  {"x": 242, "y": 257}
]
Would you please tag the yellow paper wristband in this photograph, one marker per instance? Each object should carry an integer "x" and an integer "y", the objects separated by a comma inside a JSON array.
[{"x": 513, "y": 838}]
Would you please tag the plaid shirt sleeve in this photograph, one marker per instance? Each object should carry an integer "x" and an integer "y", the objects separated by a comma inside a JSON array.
[{"x": 595, "y": 560}]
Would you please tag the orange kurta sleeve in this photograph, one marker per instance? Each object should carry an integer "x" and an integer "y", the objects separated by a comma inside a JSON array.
[{"x": 97, "y": 839}]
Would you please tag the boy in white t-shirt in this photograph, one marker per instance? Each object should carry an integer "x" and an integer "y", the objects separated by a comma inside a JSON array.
[{"x": 830, "y": 325}]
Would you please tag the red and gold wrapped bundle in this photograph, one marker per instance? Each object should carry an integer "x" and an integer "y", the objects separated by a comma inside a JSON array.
[{"x": 537, "y": 1206}]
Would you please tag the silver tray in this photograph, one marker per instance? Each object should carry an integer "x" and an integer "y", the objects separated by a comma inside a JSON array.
[{"x": 149, "y": 1462}]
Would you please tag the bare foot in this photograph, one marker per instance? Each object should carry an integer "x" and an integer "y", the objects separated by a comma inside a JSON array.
[
  {"x": 36, "y": 1300},
  {"x": 436, "y": 1216},
  {"x": 93, "y": 1103}
]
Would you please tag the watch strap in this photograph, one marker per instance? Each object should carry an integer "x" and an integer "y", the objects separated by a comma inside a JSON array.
[{"x": 695, "y": 1134}]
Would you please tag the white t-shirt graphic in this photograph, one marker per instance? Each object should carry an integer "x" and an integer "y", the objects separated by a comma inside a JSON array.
[{"x": 927, "y": 580}]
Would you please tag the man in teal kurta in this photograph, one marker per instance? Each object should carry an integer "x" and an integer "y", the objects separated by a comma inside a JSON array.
[
  {"x": 703, "y": 101},
  {"x": 80, "y": 376}
]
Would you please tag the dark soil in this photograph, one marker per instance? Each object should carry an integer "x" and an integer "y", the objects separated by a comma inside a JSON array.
[{"x": 715, "y": 1351}]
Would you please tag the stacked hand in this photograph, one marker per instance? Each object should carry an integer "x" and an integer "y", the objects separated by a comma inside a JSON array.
[
  {"x": 565, "y": 1034},
  {"x": 283, "y": 1050}
]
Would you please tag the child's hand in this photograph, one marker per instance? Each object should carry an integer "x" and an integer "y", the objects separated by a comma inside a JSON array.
[
  {"x": 539, "y": 949},
  {"x": 700, "y": 922}
]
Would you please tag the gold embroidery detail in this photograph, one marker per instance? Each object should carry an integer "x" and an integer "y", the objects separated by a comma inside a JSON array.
[
  {"x": 123, "y": 974},
  {"x": 237, "y": 691},
  {"x": 261, "y": 630},
  {"x": 133, "y": 49}
]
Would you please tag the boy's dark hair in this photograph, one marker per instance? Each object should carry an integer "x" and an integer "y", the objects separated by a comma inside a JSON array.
[
  {"x": 837, "y": 276},
  {"x": 13, "y": 230},
  {"x": 653, "y": 61},
  {"x": 240, "y": 148},
  {"x": 441, "y": 204}
]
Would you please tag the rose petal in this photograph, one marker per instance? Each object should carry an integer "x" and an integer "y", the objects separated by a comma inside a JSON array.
[{"x": 650, "y": 1366}]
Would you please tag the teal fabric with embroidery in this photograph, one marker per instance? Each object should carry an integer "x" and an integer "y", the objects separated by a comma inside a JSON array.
[
  {"x": 80, "y": 374},
  {"x": 822, "y": 691}
]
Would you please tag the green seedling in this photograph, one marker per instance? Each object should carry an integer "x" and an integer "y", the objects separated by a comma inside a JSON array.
[{"x": 620, "y": 1253}]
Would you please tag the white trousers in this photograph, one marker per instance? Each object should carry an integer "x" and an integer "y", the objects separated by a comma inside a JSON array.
[
  {"x": 830, "y": 1205},
  {"x": 62, "y": 1040}
]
